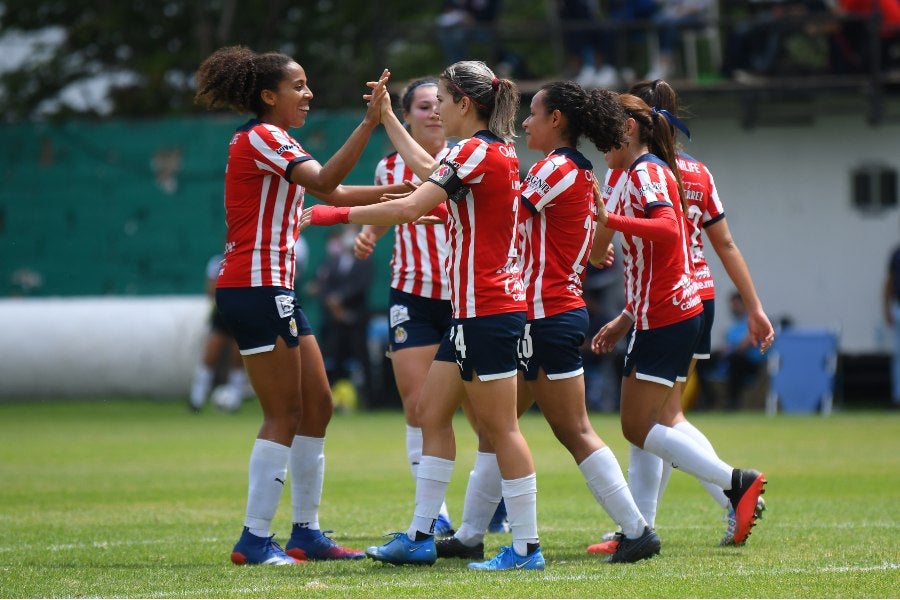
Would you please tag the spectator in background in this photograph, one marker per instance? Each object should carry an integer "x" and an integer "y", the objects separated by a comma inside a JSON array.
[
  {"x": 758, "y": 44},
  {"x": 891, "y": 299},
  {"x": 674, "y": 16},
  {"x": 851, "y": 35},
  {"x": 622, "y": 24},
  {"x": 219, "y": 348},
  {"x": 745, "y": 361},
  {"x": 580, "y": 29},
  {"x": 342, "y": 286},
  {"x": 465, "y": 26}
]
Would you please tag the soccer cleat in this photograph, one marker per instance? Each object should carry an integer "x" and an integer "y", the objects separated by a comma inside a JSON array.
[
  {"x": 254, "y": 550},
  {"x": 728, "y": 538},
  {"x": 508, "y": 560},
  {"x": 632, "y": 550},
  {"x": 746, "y": 487},
  {"x": 499, "y": 522},
  {"x": 608, "y": 545},
  {"x": 452, "y": 547},
  {"x": 313, "y": 544},
  {"x": 443, "y": 527},
  {"x": 403, "y": 551}
]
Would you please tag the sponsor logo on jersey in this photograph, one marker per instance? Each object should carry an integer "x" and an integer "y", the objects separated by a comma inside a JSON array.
[
  {"x": 285, "y": 305},
  {"x": 285, "y": 148},
  {"x": 533, "y": 182},
  {"x": 398, "y": 314}
]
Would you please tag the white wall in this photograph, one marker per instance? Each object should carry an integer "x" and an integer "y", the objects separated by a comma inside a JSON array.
[
  {"x": 787, "y": 199},
  {"x": 100, "y": 347}
]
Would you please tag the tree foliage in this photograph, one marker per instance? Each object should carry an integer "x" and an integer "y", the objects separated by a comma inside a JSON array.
[{"x": 151, "y": 48}]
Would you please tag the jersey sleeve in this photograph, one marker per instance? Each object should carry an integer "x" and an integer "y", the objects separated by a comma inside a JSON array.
[
  {"x": 546, "y": 180},
  {"x": 275, "y": 150}
]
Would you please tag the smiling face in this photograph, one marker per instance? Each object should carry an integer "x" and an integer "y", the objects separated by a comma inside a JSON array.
[
  {"x": 424, "y": 119},
  {"x": 289, "y": 104}
]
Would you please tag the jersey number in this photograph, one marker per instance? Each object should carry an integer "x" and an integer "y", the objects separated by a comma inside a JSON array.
[
  {"x": 459, "y": 340},
  {"x": 526, "y": 345}
]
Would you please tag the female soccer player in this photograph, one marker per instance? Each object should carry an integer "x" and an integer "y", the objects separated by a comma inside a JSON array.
[
  {"x": 647, "y": 473},
  {"x": 420, "y": 288},
  {"x": 557, "y": 221},
  {"x": 264, "y": 188},
  {"x": 478, "y": 181},
  {"x": 663, "y": 304}
]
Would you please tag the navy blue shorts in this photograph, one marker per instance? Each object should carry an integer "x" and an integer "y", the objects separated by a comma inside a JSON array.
[
  {"x": 704, "y": 342},
  {"x": 416, "y": 320},
  {"x": 257, "y": 316},
  {"x": 486, "y": 345},
  {"x": 217, "y": 323},
  {"x": 554, "y": 344},
  {"x": 663, "y": 354}
]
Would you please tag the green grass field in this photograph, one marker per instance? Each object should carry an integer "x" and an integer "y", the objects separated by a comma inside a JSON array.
[{"x": 142, "y": 499}]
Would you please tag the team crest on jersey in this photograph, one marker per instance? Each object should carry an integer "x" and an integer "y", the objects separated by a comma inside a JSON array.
[
  {"x": 293, "y": 327},
  {"x": 400, "y": 335}
]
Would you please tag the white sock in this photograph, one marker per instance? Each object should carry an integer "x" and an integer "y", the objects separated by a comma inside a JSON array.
[
  {"x": 520, "y": 496},
  {"x": 607, "y": 483},
  {"x": 203, "y": 379},
  {"x": 664, "y": 482},
  {"x": 307, "y": 476},
  {"x": 237, "y": 381},
  {"x": 414, "y": 454},
  {"x": 482, "y": 497},
  {"x": 644, "y": 474},
  {"x": 414, "y": 448},
  {"x": 431, "y": 487},
  {"x": 685, "y": 454},
  {"x": 715, "y": 491},
  {"x": 268, "y": 470}
]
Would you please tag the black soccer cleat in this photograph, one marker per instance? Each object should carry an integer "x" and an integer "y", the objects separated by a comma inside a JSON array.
[
  {"x": 634, "y": 549},
  {"x": 451, "y": 547}
]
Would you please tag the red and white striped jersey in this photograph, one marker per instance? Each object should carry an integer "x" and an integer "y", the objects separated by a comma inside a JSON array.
[
  {"x": 484, "y": 271},
  {"x": 419, "y": 261},
  {"x": 612, "y": 192},
  {"x": 262, "y": 207},
  {"x": 557, "y": 228},
  {"x": 660, "y": 275},
  {"x": 704, "y": 209}
]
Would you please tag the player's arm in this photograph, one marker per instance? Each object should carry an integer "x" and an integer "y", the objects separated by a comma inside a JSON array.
[
  {"x": 366, "y": 239},
  {"x": 415, "y": 156},
  {"x": 761, "y": 330},
  {"x": 404, "y": 209},
  {"x": 357, "y": 195},
  {"x": 325, "y": 178}
]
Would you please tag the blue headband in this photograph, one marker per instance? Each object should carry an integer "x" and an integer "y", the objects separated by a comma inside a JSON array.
[{"x": 673, "y": 121}]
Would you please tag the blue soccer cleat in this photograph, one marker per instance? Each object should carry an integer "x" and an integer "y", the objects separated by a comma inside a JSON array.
[
  {"x": 499, "y": 522},
  {"x": 508, "y": 560},
  {"x": 403, "y": 551},
  {"x": 254, "y": 550},
  {"x": 443, "y": 527},
  {"x": 313, "y": 544}
]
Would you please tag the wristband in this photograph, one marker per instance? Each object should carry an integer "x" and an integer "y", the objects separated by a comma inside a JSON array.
[{"x": 329, "y": 215}]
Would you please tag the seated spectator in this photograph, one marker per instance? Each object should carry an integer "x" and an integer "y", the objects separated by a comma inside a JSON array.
[
  {"x": 673, "y": 17},
  {"x": 744, "y": 360},
  {"x": 851, "y": 35},
  {"x": 621, "y": 16},
  {"x": 465, "y": 25},
  {"x": 580, "y": 29},
  {"x": 758, "y": 44}
]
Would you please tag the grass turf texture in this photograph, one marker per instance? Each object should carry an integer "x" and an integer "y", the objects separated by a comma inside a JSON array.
[{"x": 142, "y": 499}]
